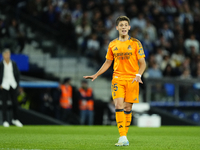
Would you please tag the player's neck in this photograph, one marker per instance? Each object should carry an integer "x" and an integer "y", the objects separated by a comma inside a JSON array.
[{"x": 123, "y": 37}]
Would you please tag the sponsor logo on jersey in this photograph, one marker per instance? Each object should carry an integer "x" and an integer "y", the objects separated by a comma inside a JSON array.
[
  {"x": 115, "y": 49},
  {"x": 129, "y": 47}
]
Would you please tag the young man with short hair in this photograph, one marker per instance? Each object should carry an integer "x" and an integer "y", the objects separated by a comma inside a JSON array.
[{"x": 126, "y": 52}]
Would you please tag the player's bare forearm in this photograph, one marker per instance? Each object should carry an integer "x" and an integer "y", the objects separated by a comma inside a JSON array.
[
  {"x": 142, "y": 66},
  {"x": 140, "y": 71},
  {"x": 103, "y": 69}
]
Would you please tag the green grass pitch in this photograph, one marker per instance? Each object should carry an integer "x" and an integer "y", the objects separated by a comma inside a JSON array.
[{"x": 98, "y": 138}]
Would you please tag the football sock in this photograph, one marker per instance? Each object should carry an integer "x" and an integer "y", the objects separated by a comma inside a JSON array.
[
  {"x": 120, "y": 119},
  {"x": 128, "y": 118}
]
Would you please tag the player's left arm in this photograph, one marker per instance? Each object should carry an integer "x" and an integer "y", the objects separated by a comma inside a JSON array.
[{"x": 142, "y": 67}]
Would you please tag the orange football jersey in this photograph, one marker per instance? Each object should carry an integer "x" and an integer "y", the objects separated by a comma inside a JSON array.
[{"x": 125, "y": 55}]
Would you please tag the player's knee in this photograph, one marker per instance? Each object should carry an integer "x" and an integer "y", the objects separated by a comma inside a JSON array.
[
  {"x": 119, "y": 106},
  {"x": 127, "y": 108}
]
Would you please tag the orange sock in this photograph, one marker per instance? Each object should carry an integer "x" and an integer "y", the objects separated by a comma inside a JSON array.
[
  {"x": 120, "y": 119},
  {"x": 128, "y": 118}
]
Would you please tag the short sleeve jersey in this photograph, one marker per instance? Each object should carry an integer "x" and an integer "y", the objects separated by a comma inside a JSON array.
[{"x": 125, "y": 55}]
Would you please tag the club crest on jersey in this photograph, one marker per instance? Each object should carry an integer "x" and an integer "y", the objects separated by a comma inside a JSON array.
[
  {"x": 115, "y": 49},
  {"x": 129, "y": 47}
]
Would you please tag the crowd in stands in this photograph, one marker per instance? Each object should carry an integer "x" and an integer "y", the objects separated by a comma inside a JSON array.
[{"x": 168, "y": 29}]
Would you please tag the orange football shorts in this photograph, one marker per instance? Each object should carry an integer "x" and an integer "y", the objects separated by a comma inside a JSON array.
[{"x": 125, "y": 89}]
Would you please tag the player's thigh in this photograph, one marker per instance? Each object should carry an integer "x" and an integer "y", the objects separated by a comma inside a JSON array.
[
  {"x": 119, "y": 103},
  {"x": 132, "y": 92},
  {"x": 118, "y": 89}
]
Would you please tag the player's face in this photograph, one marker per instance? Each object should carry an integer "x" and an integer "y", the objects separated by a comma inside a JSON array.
[{"x": 123, "y": 27}]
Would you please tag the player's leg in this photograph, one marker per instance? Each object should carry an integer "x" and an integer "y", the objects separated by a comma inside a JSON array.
[
  {"x": 132, "y": 96},
  {"x": 128, "y": 115},
  {"x": 118, "y": 97},
  {"x": 120, "y": 117}
]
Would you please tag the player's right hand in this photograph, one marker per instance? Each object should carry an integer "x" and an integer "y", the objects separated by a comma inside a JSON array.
[{"x": 93, "y": 77}]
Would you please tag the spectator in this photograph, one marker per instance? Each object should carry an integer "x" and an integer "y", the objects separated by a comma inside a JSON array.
[
  {"x": 82, "y": 31},
  {"x": 9, "y": 81},
  {"x": 162, "y": 42},
  {"x": 16, "y": 32},
  {"x": 153, "y": 71},
  {"x": 93, "y": 47},
  {"x": 119, "y": 11},
  {"x": 47, "y": 106},
  {"x": 131, "y": 10},
  {"x": 65, "y": 11},
  {"x": 3, "y": 29},
  {"x": 167, "y": 60},
  {"x": 139, "y": 22},
  {"x": 151, "y": 31},
  {"x": 185, "y": 14},
  {"x": 68, "y": 32},
  {"x": 77, "y": 13},
  {"x": 3, "y": 33},
  {"x": 109, "y": 22},
  {"x": 56, "y": 94},
  {"x": 66, "y": 100},
  {"x": 178, "y": 57},
  {"x": 86, "y": 104},
  {"x": 147, "y": 44},
  {"x": 50, "y": 16},
  {"x": 196, "y": 7},
  {"x": 169, "y": 71},
  {"x": 35, "y": 8},
  {"x": 191, "y": 42},
  {"x": 167, "y": 32},
  {"x": 170, "y": 9}
]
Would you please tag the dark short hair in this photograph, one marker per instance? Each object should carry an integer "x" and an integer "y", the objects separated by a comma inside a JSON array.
[
  {"x": 122, "y": 18},
  {"x": 6, "y": 50}
]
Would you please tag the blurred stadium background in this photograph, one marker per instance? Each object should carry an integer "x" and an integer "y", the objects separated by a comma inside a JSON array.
[{"x": 54, "y": 39}]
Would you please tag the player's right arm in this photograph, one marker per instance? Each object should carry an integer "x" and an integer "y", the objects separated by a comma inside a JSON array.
[{"x": 103, "y": 69}]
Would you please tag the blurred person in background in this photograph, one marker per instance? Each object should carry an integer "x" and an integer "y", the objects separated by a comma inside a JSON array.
[
  {"x": 66, "y": 99},
  {"x": 93, "y": 47},
  {"x": 86, "y": 104},
  {"x": 154, "y": 71},
  {"x": 56, "y": 93},
  {"x": 191, "y": 42},
  {"x": 22, "y": 99},
  {"x": 46, "y": 100},
  {"x": 16, "y": 32},
  {"x": 35, "y": 8},
  {"x": 9, "y": 82}
]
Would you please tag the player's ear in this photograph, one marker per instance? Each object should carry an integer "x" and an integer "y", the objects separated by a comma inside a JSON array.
[
  {"x": 116, "y": 27},
  {"x": 129, "y": 27}
]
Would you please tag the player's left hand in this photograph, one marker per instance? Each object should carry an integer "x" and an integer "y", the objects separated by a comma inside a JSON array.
[{"x": 137, "y": 79}]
